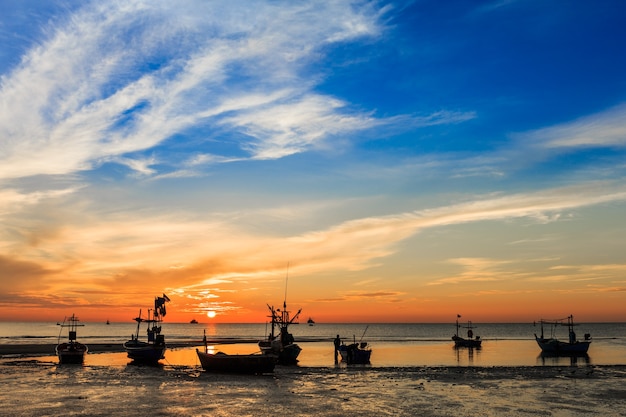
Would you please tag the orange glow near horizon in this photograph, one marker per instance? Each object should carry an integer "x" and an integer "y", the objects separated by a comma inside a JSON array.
[{"x": 480, "y": 308}]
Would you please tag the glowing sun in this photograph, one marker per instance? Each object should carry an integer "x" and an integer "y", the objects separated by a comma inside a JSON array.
[{"x": 211, "y": 314}]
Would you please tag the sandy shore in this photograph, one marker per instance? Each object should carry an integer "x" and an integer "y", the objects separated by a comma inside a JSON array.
[{"x": 35, "y": 388}]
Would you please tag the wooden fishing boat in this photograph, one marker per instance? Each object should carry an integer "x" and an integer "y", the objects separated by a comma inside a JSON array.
[
  {"x": 152, "y": 350},
  {"x": 552, "y": 345},
  {"x": 283, "y": 345},
  {"x": 71, "y": 351},
  {"x": 355, "y": 353},
  {"x": 471, "y": 341},
  {"x": 254, "y": 363}
]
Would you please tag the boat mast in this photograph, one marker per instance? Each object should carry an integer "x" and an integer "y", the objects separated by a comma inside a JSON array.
[
  {"x": 273, "y": 318},
  {"x": 72, "y": 325},
  {"x": 286, "y": 283},
  {"x": 138, "y": 320},
  {"x": 285, "y": 314},
  {"x": 363, "y": 335}
]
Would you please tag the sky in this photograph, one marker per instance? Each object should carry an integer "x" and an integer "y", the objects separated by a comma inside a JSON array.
[{"x": 366, "y": 161}]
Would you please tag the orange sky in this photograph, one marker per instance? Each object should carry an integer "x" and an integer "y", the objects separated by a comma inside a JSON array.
[{"x": 243, "y": 302}]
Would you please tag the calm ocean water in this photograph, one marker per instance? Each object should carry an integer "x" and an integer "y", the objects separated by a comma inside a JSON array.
[{"x": 392, "y": 344}]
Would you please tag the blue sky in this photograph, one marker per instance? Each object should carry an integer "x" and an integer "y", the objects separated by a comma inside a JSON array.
[{"x": 401, "y": 155}]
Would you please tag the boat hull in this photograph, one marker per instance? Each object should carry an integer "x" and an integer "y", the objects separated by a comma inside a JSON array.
[
  {"x": 71, "y": 353},
  {"x": 239, "y": 364},
  {"x": 287, "y": 355},
  {"x": 556, "y": 347},
  {"x": 468, "y": 343},
  {"x": 143, "y": 352}
]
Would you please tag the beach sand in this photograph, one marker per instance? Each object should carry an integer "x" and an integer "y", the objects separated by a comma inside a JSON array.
[{"x": 33, "y": 387}]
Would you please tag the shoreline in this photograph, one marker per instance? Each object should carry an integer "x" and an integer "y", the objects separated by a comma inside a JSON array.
[
  {"x": 25, "y": 350},
  {"x": 10, "y": 352}
]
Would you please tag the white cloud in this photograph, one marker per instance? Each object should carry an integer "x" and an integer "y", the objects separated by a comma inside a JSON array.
[
  {"x": 604, "y": 129},
  {"x": 13, "y": 201},
  {"x": 123, "y": 76}
]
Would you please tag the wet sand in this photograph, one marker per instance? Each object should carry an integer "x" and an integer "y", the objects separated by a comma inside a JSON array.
[{"x": 34, "y": 387}]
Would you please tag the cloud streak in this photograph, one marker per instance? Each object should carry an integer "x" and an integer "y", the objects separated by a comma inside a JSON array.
[
  {"x": 606, "y": 129},
  {"x": 350, "y": 246},
  {"x": 75, "y": 102}
]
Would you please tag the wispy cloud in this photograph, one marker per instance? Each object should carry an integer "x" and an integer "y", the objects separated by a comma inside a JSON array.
[
  {"x": 116, "y": 78},
  {"x": 606, "y": 129},
  {"x": 14, "y": 201},
  {"x": 352, "y": 245},
  {"x": 91, "y": 246}
]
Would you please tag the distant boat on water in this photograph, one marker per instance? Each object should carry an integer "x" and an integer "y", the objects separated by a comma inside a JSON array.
[
  {"x": 310, "y": 321},
  {"x": 551, "y": 345},
  {"x": 71, "y": 351},
  {"x": 471, "y": 341},
  {"x": 193, "y": 321},
  {"x": 152, "y": 350}
]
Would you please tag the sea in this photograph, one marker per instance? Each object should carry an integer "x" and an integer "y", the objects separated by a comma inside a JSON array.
[{"x": 393, "y": 345}]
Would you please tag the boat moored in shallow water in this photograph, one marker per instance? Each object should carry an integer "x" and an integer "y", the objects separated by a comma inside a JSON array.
[
  {"x": 283, "y": 345},
  {"x": 71, "y": 351},
  {"x": 471, "y": 341},
  {"x": 357, "y": 352},
  {"x": 554, "y": 346},
  {"x": 254, "y": 363},
  {"x": 152, "y": 350}
]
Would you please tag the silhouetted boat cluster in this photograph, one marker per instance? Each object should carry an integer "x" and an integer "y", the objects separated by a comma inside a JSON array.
[{"x": 280, "y": 346}]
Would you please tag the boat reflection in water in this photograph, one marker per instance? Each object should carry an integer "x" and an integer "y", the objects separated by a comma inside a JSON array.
[
  {"x": 470, "y": 354},
  {"x": 552, "y": 359}
]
